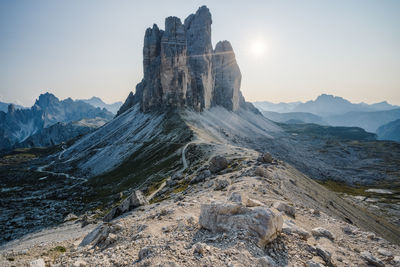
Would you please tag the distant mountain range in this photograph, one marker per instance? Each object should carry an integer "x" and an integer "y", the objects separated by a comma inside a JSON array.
[
  {"x": 17, "y": 125},
  {"x": 324, "y": 105},
  {"x": 390, "y": 131},
  {"x": 370, "y": 121},
  {"x": 294, "y": 117},
  {"x": 4, "y": 106},
  {"x": 335, "y": 111},
  {"x": 61, "y": 132},
  {"x": 98, "y": 103}
]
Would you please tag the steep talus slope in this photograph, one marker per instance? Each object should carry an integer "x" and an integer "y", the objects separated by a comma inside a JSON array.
[
  {"x": 221, "y": 125},
  {"x": 302, "y": 189},
  {"x": 109, "y": 146}
]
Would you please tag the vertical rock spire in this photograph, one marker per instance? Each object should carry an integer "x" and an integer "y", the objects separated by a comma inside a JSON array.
[
  {"x": 227, "y": 77},
  {"x": 182, "y": 70},
  {"x": 198, "y": 39}
]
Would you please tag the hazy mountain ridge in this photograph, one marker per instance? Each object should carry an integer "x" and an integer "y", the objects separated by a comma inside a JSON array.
[
  {"x": 389, "y": 131},
  {"x": 370, "y": 121},
  {"x": 4, "y": 106},
  {"x": 61, "y": 132},
  {"x": 19, "y": 124},
  {"x": 334, "y": 111},
  {"x": 99, "y": 103},
  {"x": 294, "y": 117},
  {"x": 324, "y": 105}
]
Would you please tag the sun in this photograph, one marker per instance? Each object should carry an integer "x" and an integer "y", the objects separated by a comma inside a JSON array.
[{"x": 257, "y": 48}]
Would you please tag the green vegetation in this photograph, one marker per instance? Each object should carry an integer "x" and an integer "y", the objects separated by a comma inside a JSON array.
[
  {"x": 154, "y": 186},
  {"x": 158, "y": 199},
  {"x": 21, "y": 155},
  {"x": 360, "y": 191},
  {"x": 60, "y": 249},
  {"x": 181, "y": 187},
  {"x": 344, "y": 188}
]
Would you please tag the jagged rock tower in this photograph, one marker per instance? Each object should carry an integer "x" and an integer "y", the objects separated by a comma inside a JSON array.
[{"x": 182, "y": 70}]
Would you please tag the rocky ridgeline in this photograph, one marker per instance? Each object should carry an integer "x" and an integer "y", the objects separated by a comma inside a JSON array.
[
  {"x": 239, "y": 214},
  {"x": 181, "y": 68}
]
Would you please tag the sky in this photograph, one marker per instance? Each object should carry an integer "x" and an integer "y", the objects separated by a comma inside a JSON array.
[{"x": 286, "y": 50}]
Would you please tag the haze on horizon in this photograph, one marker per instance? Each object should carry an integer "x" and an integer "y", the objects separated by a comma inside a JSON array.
[{"x": 287, "y": 50}]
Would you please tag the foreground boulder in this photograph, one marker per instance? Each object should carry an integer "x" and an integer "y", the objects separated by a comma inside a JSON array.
[
  {"x": 261, "y": 223},
  {"x": 135, "y": 200},
  {"x": 97, "y": 236},
  {"x": 289, "y": 227},
  {"x": 37, "y": 263},
  {"x": 103, "y": 234},
  {"x": 286, "y": 208},
  {"x": 265, "y": 158},
  {"x": 322, "y": 232},
  {"x": 367, "y": 256},
  {"x": 218, "y": 163}
]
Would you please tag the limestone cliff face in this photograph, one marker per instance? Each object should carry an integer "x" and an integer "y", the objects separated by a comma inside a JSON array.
[
  {"x": 227, "y": 77},
  {"x": 182, "y": 70}
]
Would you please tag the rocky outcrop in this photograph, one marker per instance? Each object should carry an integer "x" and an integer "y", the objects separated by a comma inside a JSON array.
[
  {"x": 182, "y": 70},
  {"x": 135, "y": 200},
  {"x": 260, "y": 223},
  {"x": 218, "y": 163}
]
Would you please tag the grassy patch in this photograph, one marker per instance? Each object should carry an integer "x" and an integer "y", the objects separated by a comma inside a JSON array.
[
  {"x": 344, "y": 188},
  {"x": 181, "y": 187},
  {"x": 159, "y": 199},
  {"x": 154, "y": 186},
  {"x": 360, "y": 191},
  {"x": 60, "y": 249}
]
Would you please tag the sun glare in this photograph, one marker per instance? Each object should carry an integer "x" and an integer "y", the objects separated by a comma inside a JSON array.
[{"x": 257, "y": 48}]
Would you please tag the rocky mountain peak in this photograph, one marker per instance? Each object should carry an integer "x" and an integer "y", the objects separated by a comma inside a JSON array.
[
  {"x": 46, "y": 99},
  {"x": 11, "y": 108},
  {"x": 182, "y": 70}
]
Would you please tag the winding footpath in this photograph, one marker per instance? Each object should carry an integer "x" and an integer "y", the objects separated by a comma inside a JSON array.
[
  {"x": 185, "y": 166},
  {"x": 66, "y": 175}
]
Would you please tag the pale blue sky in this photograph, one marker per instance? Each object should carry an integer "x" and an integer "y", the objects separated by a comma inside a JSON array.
[{"x": 91, "y": 47}]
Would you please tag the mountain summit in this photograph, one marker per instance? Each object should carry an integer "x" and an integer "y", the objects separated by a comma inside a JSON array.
[
  {"x": 181, "y": 68},
  {"x": 195, "y": 86}
]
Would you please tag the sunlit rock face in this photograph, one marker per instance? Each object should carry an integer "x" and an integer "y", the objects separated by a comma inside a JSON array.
[
  {"x": 227, "y": 77},
  {"x": 182, "y": 70}
]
